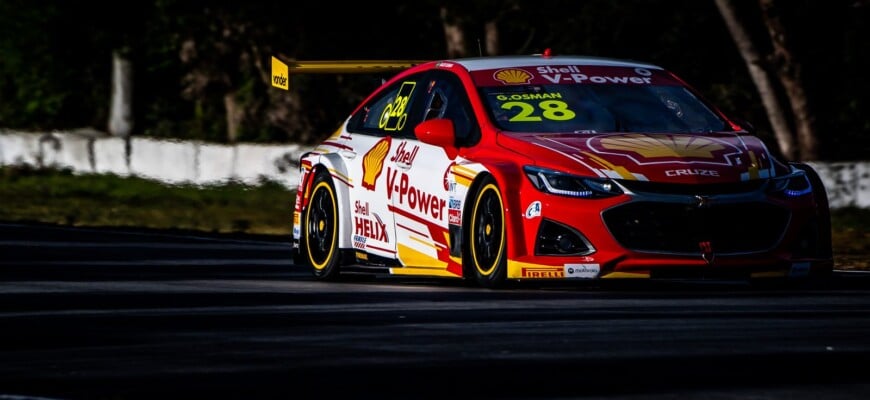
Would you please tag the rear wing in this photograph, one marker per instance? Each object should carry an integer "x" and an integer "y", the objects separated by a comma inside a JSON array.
[{"x": 281, "y": 70}]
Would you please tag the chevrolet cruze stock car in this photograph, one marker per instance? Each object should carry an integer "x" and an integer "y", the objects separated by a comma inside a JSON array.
[{"x": 503, "y": 169}]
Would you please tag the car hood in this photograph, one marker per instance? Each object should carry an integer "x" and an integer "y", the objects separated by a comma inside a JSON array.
[{"x": 657, "y": 157}]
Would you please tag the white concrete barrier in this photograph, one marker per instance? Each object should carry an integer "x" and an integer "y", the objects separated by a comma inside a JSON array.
[
  {"x": 20, "y": 148},
  {"x": 110, "y": 156},
  {"x": 215, "y": 163},
  {"x": 847, "y": 183},
  {"x": 169, "y": 161}
]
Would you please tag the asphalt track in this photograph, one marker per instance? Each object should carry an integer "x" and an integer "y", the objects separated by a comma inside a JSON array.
[{"x": 110, "y": 314}]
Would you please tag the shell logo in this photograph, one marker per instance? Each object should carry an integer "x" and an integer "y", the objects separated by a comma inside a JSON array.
[
  {"x": 373, "y": 162},
  {"x": 660, "y": 146},
  {"x": 512, "y": 76}
]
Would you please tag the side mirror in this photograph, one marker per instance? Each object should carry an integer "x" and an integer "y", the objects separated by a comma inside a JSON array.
[{"x": 438, "y": 132}]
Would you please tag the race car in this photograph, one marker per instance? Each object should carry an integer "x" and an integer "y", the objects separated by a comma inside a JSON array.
[{"x": 503, "y": 169}]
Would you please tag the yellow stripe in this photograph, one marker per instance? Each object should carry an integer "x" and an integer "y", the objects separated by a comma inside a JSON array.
[
  {"x": 753, "y": 166},
  {"x": 623, "y": 275},
  {"x": 415, "y": 258},
  {"x": 624, "y": 173},
  {"x": 417, "y": 271},
  {"x": 342, "y": 176},
  {"x": 350, "y": 66},
  {"x": 768, "y": 274},
  {"x": 424, "y": 243},
  {"x": 463, "y": 175}
]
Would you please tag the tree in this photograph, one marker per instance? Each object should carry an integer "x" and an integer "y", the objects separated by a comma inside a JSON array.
[
  {"x": 784, "y": 65},
  {"x": 462, "y": 20}
]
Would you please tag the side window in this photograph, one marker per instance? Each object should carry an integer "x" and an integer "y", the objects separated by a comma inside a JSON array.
[
  {"x": 390, "y": 112},
  {"x": 446, "y": 98}
]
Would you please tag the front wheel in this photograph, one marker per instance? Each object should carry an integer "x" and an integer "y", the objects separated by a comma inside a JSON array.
[
  {"x": 486, "y": 239},
  {"x": 319, "y": 242}
]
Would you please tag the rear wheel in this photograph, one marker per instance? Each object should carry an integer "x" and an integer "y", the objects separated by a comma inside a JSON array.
[
  {"x": 319, "y": 242},
  {"x": 486, "y": 239}
]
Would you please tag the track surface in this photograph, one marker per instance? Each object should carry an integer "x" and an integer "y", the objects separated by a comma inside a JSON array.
[{"x": 108, "y": 314}]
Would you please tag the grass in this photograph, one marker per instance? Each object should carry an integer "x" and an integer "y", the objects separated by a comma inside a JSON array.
[{"x": 61, "y": 197}]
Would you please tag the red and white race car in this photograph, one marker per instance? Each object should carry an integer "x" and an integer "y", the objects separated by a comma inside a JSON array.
[{"x": 510, "y": 168}]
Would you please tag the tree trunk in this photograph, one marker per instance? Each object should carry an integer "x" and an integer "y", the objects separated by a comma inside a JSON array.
[
  {"x": 754, "y": 62},
  {"x": 453, "y": 33},
  {"x": 121, "y": 106},
  {"x": 234, "y": 116},
  {"x": 788, "y": 70},
  {"x": 491, "y": 36}
]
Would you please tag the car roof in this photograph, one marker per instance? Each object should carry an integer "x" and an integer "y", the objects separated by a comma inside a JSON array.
[{"x": 493, "y": 62}]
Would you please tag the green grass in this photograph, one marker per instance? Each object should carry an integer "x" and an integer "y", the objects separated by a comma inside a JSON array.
[{"x": 61, "y": 197}]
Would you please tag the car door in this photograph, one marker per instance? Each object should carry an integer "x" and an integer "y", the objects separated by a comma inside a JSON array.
[
  {"x": 370, "y": 140},
  {"x": 417, "y": 181}
]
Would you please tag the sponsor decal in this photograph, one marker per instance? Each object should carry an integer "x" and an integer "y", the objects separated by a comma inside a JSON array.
[
  {"x": 652, "y": 149},
  {"x": 454, "y": 217},
  {"x": 373, "y": 162},
  {"x": 280, "y": 75},
  {"x": 454, "y": 204},
  {"x": 412, "y": 197},
  {"x": 359, "y": 242},
  {"x": 371, "y": 228},
  {"x": 361, "y": 208},
  {"x": 543, "y": 272},
  {"x": 512, "y": 76},
  {"x": 405, "y": 157},
  {"x": 528, "y": 96},
  {"x": 572, "y": 74},
  {"x": 395, "y": 114},
  {"x": 583, "y": 271},
  {"x": 533, "y": 210},
  {"x": 799, "y": 269},
  {"x": 691, "y": 172},
  {"x": 663, "y": 146},
  {"x": 448, "y": 185}
]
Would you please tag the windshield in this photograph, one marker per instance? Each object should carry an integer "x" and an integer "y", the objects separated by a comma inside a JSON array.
[{"x": 611, "y": 103}]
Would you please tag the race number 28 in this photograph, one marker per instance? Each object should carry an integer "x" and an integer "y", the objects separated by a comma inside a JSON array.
[
  {"x": 395, "y": 114},
  {"x": 554, "y": 110}
]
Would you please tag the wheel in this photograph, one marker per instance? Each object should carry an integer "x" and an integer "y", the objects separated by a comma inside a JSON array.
[
  {"x": 487, "y": 247},
  {"x": 319, "y": 241}
]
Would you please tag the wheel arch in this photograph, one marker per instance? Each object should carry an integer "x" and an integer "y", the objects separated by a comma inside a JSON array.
[
  {"x": 823, "y": 208},
  {"x": 503, "y": 174},
  {"x": 332, "y": 164}
]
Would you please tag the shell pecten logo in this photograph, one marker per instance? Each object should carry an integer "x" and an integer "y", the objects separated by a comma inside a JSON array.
[
  {"x": 661, "y": 146},
  {"x": 373, "y": 162},
  {"x": 512, "y": 76}
]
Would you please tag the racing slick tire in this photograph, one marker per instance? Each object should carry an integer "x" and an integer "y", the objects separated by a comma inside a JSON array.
[
  {"x": 487, "y": 254},
  {"x": 319, "y": 236}
]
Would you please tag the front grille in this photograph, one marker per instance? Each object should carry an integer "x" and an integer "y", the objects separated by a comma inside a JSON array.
[
  {"x": 693, "y": 189},
  {"x": 680, "y": 228}
]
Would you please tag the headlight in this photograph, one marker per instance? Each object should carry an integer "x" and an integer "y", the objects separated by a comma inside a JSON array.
[
  {"x": 562, "y": 184},
  {"x": 791, "y": 185}
]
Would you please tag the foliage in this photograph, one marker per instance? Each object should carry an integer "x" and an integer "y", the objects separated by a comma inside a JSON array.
[{"x": 192, "y": 56}]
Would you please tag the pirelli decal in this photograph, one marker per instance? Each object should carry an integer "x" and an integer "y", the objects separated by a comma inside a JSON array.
[{"x": 543, "y": 272}]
